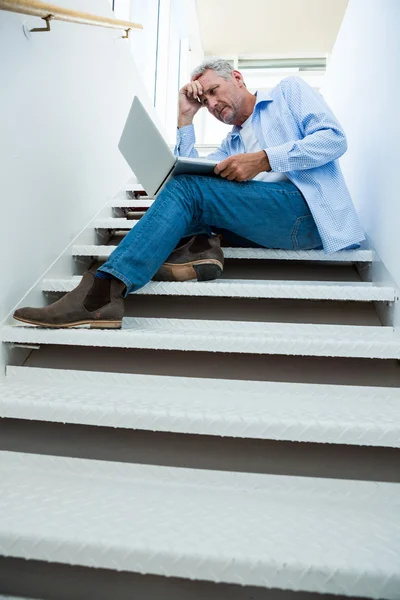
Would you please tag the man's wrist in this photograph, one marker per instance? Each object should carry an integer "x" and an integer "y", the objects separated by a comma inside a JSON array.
[
  {"x": 265, "y": 162},
  {"x": 184, "y": 121}
]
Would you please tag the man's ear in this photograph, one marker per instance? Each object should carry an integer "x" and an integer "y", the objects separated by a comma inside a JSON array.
[{"x": 238, "y": 77}]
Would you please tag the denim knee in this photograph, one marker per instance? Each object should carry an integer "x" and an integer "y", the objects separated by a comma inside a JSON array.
[{"x": 183, "y": 189}]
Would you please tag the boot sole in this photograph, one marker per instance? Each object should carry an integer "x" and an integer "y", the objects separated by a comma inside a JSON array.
[
  {"x": 92, "y": 324},
  {"x": 202, "y": 270}
]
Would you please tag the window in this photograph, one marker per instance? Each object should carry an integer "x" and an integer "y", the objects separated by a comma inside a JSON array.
[
  {"x": 121, "y": 9},
  {"x": 161, "y": 52},
  {"x": 144, "y": 43}
]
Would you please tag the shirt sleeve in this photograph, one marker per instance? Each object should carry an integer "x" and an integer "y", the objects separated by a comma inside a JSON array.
[
  {"x": 324, "y": 139},
  {"x": 185, "y": 145},
  {"x": 185, "y": 141}
]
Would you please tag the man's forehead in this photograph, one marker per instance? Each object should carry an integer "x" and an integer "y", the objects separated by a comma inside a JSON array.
[{"x": 209, "y": 78}]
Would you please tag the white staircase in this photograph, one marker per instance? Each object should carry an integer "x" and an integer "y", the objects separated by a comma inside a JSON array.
[{"x": 305, "y": 534}]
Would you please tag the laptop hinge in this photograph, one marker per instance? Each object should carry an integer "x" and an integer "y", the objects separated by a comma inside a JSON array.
[{"x": 166, "y": 178}]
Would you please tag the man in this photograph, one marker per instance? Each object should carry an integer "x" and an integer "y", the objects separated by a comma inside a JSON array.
[{"x": 279, "y": 186}]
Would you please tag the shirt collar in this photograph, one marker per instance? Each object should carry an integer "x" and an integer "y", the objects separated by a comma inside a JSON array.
[{"x": 261, "y": 96}]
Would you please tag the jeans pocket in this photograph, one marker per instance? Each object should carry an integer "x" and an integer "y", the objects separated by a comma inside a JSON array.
[{"x": 305, "y": 234}]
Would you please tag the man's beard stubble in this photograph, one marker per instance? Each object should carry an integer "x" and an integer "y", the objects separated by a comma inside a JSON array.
[{"x": 232, "y": 115}]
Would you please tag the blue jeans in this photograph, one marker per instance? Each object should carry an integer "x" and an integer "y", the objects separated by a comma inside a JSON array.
[{"x": 270, "y": 215}]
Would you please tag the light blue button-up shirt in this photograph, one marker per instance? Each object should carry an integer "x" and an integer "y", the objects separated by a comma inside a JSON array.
[{"x": 302, "y": 139}]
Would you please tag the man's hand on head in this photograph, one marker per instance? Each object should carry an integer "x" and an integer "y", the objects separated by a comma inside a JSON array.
[
  {"x": 242, "y": 167},
  {"x": 189, "y": 102}
]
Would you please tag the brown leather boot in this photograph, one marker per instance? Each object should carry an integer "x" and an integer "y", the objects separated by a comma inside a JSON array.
[
  {"x": 200, "y": 258},
  {"x": 94, "y": 302}
]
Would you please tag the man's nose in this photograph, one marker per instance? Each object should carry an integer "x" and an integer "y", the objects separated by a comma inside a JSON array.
[{"x": 212, "y": 103}]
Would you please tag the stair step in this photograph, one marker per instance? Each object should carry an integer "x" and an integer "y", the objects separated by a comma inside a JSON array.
[
  {"x": 133, "y": 186},
  {"x": 143, "y": 202},
  {"x": 225, "y": 288},
  {"x": 364, "y": 416},
  {"x": 222, "y": 336},
  {"x": 114, "y": 223},
  {"x": 296, "y": 533},
  {"x": 251, "y": 253}
]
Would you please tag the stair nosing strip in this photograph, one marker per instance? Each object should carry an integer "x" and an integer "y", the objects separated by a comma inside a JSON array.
[{"x": 243, "y": 288}]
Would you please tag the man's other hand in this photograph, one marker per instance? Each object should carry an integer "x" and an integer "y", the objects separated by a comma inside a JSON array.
[
  {"x": 242, "y": 167},
  {"x": 189, "y": 102}
]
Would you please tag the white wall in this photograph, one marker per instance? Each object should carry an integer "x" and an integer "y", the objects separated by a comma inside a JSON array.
[
  {"x": 63, "y": 103},
  {"x": 363, "y": 87}
]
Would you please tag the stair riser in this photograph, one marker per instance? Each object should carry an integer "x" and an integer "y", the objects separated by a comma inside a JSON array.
[
  {"x": 170, "y": 422},
  {"x": 336, "y": 461},
  {"x": 45, "y": 580}
]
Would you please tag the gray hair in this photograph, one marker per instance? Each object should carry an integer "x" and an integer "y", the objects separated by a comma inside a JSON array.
[{"x": 222, "y": 67}]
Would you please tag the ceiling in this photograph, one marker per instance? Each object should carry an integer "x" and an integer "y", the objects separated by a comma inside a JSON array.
[{"x": 269, "y": 28}]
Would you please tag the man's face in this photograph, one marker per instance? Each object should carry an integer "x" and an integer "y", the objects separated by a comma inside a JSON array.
[{"x": 222, "y": 98}]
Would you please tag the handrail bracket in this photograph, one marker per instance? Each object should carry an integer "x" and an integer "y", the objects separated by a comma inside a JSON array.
[{"x": 47, "y": 28}]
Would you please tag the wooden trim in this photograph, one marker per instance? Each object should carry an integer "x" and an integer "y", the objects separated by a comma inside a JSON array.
[{"x": 44, "y": 11}]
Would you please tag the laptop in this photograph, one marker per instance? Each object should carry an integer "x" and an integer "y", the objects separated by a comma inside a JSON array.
[{"x": 149, "y": 156}]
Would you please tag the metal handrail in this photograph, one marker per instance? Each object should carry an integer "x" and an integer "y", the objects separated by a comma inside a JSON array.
[{"x": 50, "y": 12}]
